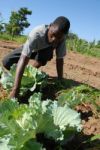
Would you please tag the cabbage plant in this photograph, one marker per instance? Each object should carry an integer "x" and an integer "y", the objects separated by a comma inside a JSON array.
[
  {"x": 20, "y": 123},
  {"x": 32, "y": 78}
]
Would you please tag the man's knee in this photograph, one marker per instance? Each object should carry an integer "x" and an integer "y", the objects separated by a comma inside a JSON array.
[
  {"x": 11, "y": 58},
  {"x": 35, "y": 63},
  {"x": 5, "y": 63}
]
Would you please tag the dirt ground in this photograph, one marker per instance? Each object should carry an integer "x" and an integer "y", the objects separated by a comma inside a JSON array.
[{"x": 79, "y": 68}]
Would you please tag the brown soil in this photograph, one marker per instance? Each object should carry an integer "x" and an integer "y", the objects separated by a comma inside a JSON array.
[
  {"x": 79, "y": 68},
  {"x": 90, "y": 118}
]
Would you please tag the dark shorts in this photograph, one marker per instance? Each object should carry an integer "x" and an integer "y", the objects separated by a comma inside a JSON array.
[{"x": 41, "y": 56}]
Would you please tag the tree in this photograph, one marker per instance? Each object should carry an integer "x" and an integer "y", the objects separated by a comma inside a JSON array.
[
  {"x": 18, "y": 21},
  {"x": 1, "y": 23},
  {"x": 98, "y": 44},
  {"x": 72, "y": 36},
  {"x": 92, "y": 44},
  {"x": 1, "y": 28}
]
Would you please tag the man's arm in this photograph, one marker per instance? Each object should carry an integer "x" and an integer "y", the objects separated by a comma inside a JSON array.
[
  {"x": 59, "y": 67},
  {"x": 19, "y": 73}
]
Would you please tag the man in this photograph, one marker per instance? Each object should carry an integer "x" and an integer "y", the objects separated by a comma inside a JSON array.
[{"x": 40, "y": 44}]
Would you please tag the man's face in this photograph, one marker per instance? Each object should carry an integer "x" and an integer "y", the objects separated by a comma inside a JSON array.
[{"x": 54, "y": 35}]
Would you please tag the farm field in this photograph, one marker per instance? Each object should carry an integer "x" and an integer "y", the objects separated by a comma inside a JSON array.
[
  {"x": 77, "y": 67},
  {"x": 82, "y": 80}
]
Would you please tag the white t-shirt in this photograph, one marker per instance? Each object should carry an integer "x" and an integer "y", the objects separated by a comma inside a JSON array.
[{"x": 37, "y": 40}]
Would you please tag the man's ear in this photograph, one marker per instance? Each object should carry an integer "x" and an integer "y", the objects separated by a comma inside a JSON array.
[{"x": 51, "y": 24}]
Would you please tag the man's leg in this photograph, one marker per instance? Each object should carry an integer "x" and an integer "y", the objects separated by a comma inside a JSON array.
[
  {"x": 35, "y": 63},
  {"x": 12, "y": 58},
  {"x": 43, "y": 56}
]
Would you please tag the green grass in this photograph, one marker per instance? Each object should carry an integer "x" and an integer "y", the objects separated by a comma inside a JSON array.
[
  {"x": 83, "y": 47},
  {"x": 19, "y": 39},
  {"x": 93, "y": 52}
]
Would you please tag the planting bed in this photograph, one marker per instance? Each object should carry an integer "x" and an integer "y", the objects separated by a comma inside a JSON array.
[{"x": 77, "y": 69}]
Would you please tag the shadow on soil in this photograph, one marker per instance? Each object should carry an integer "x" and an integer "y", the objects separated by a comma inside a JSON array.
[
  {"x": 77, "y": 142},
  {"x": 50, "y": 91},
  {"x": 54, "y": 86}
]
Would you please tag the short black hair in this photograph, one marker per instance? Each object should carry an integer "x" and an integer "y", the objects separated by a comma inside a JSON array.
[{"x": 63, "y": 24}]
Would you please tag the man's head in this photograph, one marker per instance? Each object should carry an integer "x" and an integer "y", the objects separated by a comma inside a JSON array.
[{"x": 58, "y": 29}]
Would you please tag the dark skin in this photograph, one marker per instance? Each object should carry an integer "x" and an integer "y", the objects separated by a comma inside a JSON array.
[{"x": 54, "y": 37}]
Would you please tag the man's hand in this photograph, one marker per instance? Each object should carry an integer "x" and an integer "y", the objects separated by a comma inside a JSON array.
[
  {"x": 60, "y": 82},
  {"x": 19, "y": 73}
]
